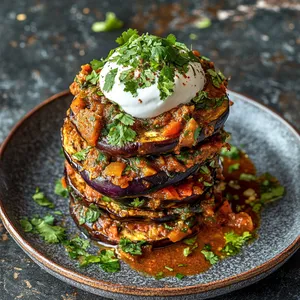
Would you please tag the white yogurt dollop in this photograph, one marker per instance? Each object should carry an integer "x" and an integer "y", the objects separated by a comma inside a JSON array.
[{"x": 147, "y": 103}]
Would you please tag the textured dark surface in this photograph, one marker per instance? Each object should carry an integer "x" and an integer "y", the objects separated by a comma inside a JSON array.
[{"x": 256, "y": 42}]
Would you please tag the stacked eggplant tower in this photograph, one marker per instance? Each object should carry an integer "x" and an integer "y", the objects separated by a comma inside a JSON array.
[{"x": 150, "y": 180}]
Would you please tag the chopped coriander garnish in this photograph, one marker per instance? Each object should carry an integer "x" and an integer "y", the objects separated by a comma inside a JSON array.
[
  {"x": 126, "y": 35},
  {"x": 168, "y": 226},
  {"x": 182, "y": 265},
  {"x": 111, "y": 23},
  {"x": 92, "y": 78},
  {"x": 60, "y": 190},
  {"x": 107, "y": 260},
  {"x": 190, "y": 241},
  {"x": 89, "y": 214},
  {"x": 179, "y": 276},
  {"x": 247, "y": 177},
  {"x": 270, "y": 189},
  {"x": 189, "y": 250},
  {"x": 207, "y": 183},
  {"x": 110, "y": 79},
  {"x": 203, "y": 23},
  {"x": 233, "y": 167},
  {"x": 106, "y": 199},
  {"x": 196, "y": 134},
  {"x": 204, "y": 170},
  {"x": 101, "y": 157},
  {"x": 169, "y": 269},
  {"x": 119, "y": 130},
  {"x": 82, "y": 154},
  {"x": 137, "y": 202},
  {"x": 234, "y": 242},
  {"x": 217, "y": 77},
  {"x": 233, "y": 153},
  {"x": 96, "y": 64},
  {"x": 40, "y": 198},
  {"x": 159, "y": 275},
  {"x": 26, "y": 225},
  {"x": 134, "y": 248},
  {"x": 210, "y": 256},
  {"x": 50, "y": 233},
  {"x": 58, "y": 213},
  {"x": 148, "y": 57}
]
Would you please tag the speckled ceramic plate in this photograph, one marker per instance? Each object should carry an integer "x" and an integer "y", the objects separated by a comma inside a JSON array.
[{"x": 30, "y": 157}]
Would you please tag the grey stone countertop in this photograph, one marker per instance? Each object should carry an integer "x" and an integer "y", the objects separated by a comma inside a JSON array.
[{"x": 43, "y": 44}]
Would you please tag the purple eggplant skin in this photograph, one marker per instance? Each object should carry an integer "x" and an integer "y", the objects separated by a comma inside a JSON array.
[
  {"x": 127, "y": 201},
  {"x": 88, "y": 230},
  {"x": 139, "y": 186},
  {"x": 156, "y": 147}
]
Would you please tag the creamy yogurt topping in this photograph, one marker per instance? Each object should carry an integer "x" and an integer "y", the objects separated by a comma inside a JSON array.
[{"x": 148, "y": 103}]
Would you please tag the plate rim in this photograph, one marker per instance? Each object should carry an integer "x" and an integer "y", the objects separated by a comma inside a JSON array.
[{"x": 135, "y": 290}]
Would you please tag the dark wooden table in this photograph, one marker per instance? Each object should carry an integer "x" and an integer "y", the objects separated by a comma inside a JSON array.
[{"x": 43, "y": 44}]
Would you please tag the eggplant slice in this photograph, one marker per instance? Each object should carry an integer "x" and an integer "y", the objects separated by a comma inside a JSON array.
[
  {"x": 93, "y": 114},
  {"x": 154, "y": 207},
  {"x": 93, "y": 171},
  {"x": 106, "y": 229},
  {"x": 157, "y": 145}
]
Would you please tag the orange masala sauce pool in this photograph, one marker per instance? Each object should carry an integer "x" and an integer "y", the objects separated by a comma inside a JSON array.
[{"x": 155, "y": 261}]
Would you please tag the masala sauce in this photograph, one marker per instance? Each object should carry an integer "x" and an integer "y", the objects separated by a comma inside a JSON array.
[{"x": 155, "y": 261}]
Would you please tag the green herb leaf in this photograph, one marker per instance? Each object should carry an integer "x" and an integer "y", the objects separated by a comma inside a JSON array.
[
  {"x": 126, "y": 35},
  {"x": 204, "y": 170},
  {"x": 137, "y": 202},
  {"x": 97, "y": 64},
  {"x": 106, "y": 199},
  {"x": 190, "y": 241},
  {"x": 247, "y": 177},
  {"x": 60, "y": 190},
  {"x": 50, "y": 233},
  {"x": 159, "y": 275},
  {"x": 210, "y": 256},
  {"x": 109, "y": 262},
  {"x": 203, "y": 23},
  {"x": 168, "y": 227},
  {"x": 40, "y": 198},
  {"x": 134, "y": 248},
  {"x": 119, "y": 131},
  {"x": 111, "y": 23},
  {"x": 169, "y": 269},
  {"x": 233, "y": 167},
  {"x": 233, "y": 153},
  {"x": 26, "y": 225},
  {"x": 179, "y": 276},
  {"x": 110, "y": 80},
  {"x": 82, "y": 154},
  {"x": 234, "y": 242},
  {"x": 89, "y": 215},
  {"x": 92, "y": 78}
]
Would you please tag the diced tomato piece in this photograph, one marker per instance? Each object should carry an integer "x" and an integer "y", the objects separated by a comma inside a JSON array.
[
  {"x": 148, "y": 171},
  {"x": 225, "y": 208},
  {"x": 115, "y": 169},
  {"x": 177, "y": 235},
  {"x": 172, "y": 128},
  {"x": 77, "y": 105},
  {"x": 185, "y": 190}
]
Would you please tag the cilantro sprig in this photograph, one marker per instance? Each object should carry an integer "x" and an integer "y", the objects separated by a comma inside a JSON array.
[
  {"x": 119, "y": 130},
  {"x": 234, "y": 242},
  {"x": 106, "y": 259},
  {"x": 45, "y": 227},
  {"x": 147, "y": 57},
  {"x": 134, "y": 248},
  {"x": 40, "y": 198}
]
